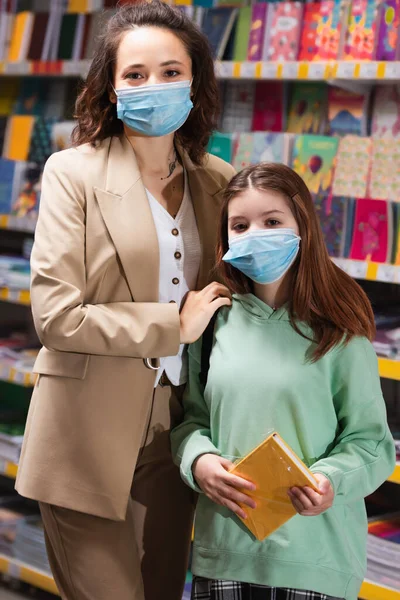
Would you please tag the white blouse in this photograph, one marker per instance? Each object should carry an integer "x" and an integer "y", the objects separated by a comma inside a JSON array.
[{"x": 180, "y": 256}]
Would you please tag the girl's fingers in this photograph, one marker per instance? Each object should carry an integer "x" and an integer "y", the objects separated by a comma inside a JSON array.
[
  {"x": 235, "y": 508},
  {"x": 297, "y": 505},
  {"x": 231, "y": 494},
  {"x": 238, "y": 482},
  {"x": 303, "y": 500},
  {"x": 315, "y": 498}
]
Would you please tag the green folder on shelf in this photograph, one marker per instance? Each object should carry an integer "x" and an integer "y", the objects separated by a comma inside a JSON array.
[{"x": 242, "y": 34}]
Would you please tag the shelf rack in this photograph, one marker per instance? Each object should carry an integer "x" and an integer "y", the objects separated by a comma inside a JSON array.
[
  {"x": 15, "y": 296},
  {"x": 313, "y": 71},
  {"x": 374, "y": 591},
  {"x": 18, "y": 570}
]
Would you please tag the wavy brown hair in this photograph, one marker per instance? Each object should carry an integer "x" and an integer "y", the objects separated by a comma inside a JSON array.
[
  {"x": 324, "y": 296},
  {"x": 97, "y": 116}
]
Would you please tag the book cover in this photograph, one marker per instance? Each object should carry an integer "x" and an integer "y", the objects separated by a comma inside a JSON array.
[
  {"x": 332, "y": 29},
  {"x": 61, "y": 135},
  {"x": 243, "y": 151},
  {"x": 21, "y": 36},
  {"x": 307, "y": 112},
  {"x": 268, "y": 106},
  {"x": 257, "y": 31},
  {"x": 41, "y": 142},
  {"x": 285, "y": 29},
  {"x": 372, "y": 234},
  {"x": 268, "y": 147},
  {"x": 314, "y": 160},
  {"x": 332, "y": 214},
  {"x": 353, "y": 163},
  {"x": 238, "y": 106},
  {"x": 275, "y": 469},
  {"x": 41, "y": 21},
  {"x": 31, "y": 98},
  {"x": 385, "y": 170},
  {"x": 309, "y": 36},
  {"x": 217, "y": 27},
  {"x": 362, "y": 29},
  {"x": 346, "y": 112},
  {"x": 18, "y": 137},
  {"x": 26, "y": 204},
  {"x": 67, "y": 36},
  {"x": 7, "y": 170},
  {"x": 388, "y": 30},
  {"x": 221, "y": 145},
  {"x": 386, "y": 112},
  {"x": 348, "y": 235},
  {"x": 242, "y": 34}
]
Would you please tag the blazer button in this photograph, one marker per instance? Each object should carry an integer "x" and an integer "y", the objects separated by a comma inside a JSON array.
[
  {"x": 175, "y": 281},
  {"x": 178, "y": 255},
  {"x": 175, "y": 232}
]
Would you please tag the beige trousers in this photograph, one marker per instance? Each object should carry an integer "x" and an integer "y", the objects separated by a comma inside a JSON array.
[{"x": 144, "y": 557}]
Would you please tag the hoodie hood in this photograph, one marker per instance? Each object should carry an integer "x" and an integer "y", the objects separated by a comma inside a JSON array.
[{"x": 258, "y": 309}]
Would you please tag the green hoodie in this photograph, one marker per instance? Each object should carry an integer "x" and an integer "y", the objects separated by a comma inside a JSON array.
[{"x": 330, "y": 412}]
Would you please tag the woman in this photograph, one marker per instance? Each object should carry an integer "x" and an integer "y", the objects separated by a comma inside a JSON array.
[
  {"x": 127, "y": 227},
  {"x": 292, "y": 355}
]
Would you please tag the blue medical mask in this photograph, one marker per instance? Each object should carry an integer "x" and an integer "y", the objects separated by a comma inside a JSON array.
[
  {"x": 155, "y": 110},
  {"x": 263, "y": 255}
]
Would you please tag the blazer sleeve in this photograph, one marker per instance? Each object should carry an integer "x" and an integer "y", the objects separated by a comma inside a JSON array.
[
  {"x": 364, "y": 454},
  {"x": 192, "y": 437},
  {"x": 62, "y": 320}
]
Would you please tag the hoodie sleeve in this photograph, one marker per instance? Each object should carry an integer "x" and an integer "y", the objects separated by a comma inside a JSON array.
[
  {"x": 364, "y": 454},
  {"x": 192, "y": 438}
]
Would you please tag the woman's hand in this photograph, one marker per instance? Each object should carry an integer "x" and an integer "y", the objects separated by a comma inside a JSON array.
[
  {"x": 211, "y": 474},
  {"x": 198, "y": 309},
  {"x": 309, "y": 503}
]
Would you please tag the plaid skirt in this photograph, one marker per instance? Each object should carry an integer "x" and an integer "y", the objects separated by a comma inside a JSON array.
[{"x": 212, "y": 589}]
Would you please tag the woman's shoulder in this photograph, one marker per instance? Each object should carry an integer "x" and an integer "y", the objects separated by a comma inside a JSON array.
[
  {"x": 219, "y": 169},
  {"x": 79, "y": 162}
]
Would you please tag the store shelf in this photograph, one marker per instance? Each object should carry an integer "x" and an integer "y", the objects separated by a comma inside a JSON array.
[
  {"x": 374, "y": 591},
  {"x": 371, "y": 271},
  {"x": 395, "y": 478},
  {"x": 27, "y": 574},
  {"x": 15, "y": 296},
  {"x": 315, "y": 71},
  {"x": 17, "y": 223},
  {"x": 13, "y": 375},
  {"x": 8, "y": 469}
]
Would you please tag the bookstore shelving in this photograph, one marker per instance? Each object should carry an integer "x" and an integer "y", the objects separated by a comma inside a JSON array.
[{"x": 322, "y": 85}]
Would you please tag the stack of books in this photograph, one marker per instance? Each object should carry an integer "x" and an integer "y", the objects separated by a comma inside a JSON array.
[
  {"x": 29, "y": 546},
  {"x": 383, "y": 551}
]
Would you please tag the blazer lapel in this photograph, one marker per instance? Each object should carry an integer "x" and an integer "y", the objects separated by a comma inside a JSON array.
[
  {"x": 206, "y": 195},
  {"x": 127, "y": 215}
]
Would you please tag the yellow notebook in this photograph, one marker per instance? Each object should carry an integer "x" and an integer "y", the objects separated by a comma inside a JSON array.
[
  {"x": 18, "y": 136},
  {"x": 21, "y": 36},
  {"x": 274, "y": 468}
]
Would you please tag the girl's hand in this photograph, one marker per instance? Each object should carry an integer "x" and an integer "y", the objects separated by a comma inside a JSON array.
[
  {"x": 198, "y": 309},
  {"x": 309, "y": 503},
  {"x": 211, "y": 474}
]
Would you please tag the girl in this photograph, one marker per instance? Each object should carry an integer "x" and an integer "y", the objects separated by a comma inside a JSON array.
[
  {"x": 127, "y": 226},
  {"x": 293, "y": 354}
]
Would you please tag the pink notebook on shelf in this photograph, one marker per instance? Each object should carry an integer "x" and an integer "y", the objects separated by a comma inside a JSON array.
[
  {"x": 332, "y": 29},
  {"x": 268, "y": 107},
  {"x": 284, "y": 23},
  {"x": 373, "y": 231},
  {"x": 362, "y": 30}
]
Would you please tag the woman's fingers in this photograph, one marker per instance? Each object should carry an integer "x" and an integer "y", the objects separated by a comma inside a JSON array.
[
  {"x": 214, "y": 290},
  {"x": 302, "y": 498}
]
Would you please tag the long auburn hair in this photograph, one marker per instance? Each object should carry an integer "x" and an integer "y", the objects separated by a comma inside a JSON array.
[
  {"x": 324, "y": 297},
  {"x": 97, "y": 116}
]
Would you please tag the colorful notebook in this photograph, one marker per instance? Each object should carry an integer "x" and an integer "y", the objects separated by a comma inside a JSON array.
[
  {"x": 362, "y": 30},
  {"x": 388, "y": 30},
  {"x": 385, "y": 170},
  {"x": 27, "y": 201},
  {"x": 18, "y": 137},
  {"x": 243, "y": 151},
  {"x": 353, "y": 162},
  {"x": 309, "y": 35},
  {"x": 386, "y": 112},
  {"x": 221, "y": 145},
  {"x": 284, "y": 21},
  {"x": 314, "y": 160},
  {"x": 308, "y": 108},
  {"x": 373, "y": 231},
  {"x": 332, "y": 29},
  {"x": 242, "y": 34},
  {"x": 238, "y": 106},
  {"x": 268, "y": 107},
  {"x": 257, "y": 31},
  {"x": 275, "y": 469},
  {"x": 332, "y": 214},
  {"x": 269, "y": 147},
  {"x": 21, "y": 36},
  {"x": 347, "y": 112}
]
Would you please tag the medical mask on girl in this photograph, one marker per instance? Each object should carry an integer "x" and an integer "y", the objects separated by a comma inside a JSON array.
[
  {"x": 263, "y": 255},
  {"x": 155, "y": 110}
]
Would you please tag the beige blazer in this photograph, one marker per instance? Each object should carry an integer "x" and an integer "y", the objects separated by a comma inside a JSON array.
[{"x": 95, "y": 273}]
